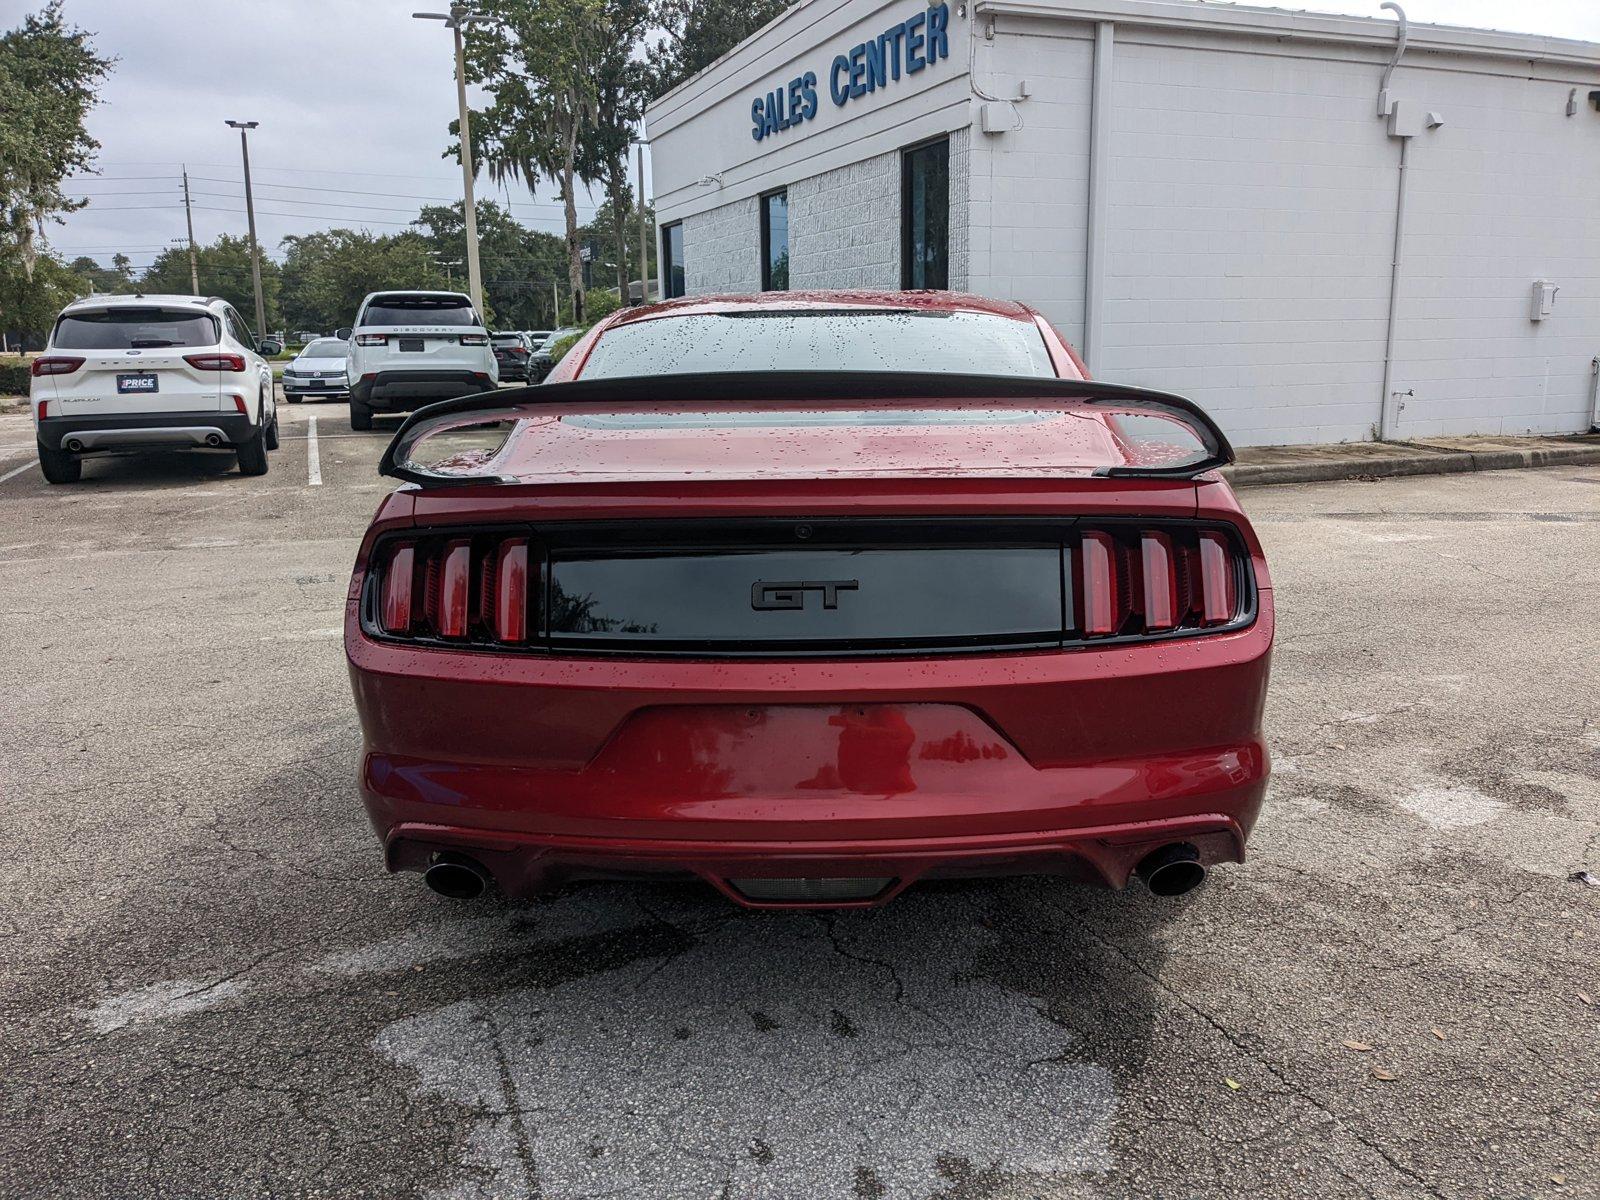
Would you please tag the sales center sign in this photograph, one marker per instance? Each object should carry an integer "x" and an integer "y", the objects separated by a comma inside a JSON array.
[{"x": 903, "y": 49}]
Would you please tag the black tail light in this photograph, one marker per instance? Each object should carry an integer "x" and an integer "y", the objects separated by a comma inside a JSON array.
[{"x": 1130, "y": 580}]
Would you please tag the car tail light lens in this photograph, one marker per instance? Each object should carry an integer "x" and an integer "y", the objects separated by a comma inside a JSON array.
[
  {"x": 1217, "y": 580},
  {"x": 56, "y": 365},
  {"x": 474, "y": 339},
  {"x": 476, "y": 589},
  {"x": 238, "y": 403},
  {"x": 372, "y": 339},
  {"x": 215, "y": 362},
  {"x": 520, "y": 351},
  {"x": 43, "y": 405},
  {"x": 1133, "y": 581}
]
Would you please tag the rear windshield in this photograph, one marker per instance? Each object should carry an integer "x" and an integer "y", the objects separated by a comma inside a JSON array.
[
  {"x": 324, "y": 350},
  {"x": 420, "y": 310},
  {"x": 134, "y": 329},
  {"x": 506, "y": 339},
  {"x": 821, "y": 340}
]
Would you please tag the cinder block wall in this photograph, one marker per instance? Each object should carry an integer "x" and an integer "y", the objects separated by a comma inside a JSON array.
[
  {"x": 722, "y": 249},
  {"x": 844, "y": 230},
  {"x": 1250, "y": 223}
]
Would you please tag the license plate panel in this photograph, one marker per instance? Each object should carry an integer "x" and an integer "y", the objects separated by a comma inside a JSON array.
[
  {"x": 413, "y": 345},
  {"x": 140, "y": 384}
]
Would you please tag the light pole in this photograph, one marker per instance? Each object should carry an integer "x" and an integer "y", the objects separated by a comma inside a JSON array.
[
  {"x": 244, "y": 128},
  {"x": 456, "y": 20}
]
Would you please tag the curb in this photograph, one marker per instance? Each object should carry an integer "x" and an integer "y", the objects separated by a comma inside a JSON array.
[{"x": 1425, "y": 460}]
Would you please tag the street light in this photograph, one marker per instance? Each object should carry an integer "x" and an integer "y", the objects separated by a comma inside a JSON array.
[
  {"x": 244, "y": 128},
  {"x": 455, "y": 20}
]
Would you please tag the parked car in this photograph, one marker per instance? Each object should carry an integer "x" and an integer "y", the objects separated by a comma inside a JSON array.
[
  {"x": 875, "y": 589},
  {"x": 317, "y": 371},
  {"x": 143, "y": 372},
  {"x": 412, "y": 348},
  {"x": 541, "y": 357},
  {"x": 511, "y": 355},
  {"x": 813, "y": 607},
  {"x": 536, "y": 338}
]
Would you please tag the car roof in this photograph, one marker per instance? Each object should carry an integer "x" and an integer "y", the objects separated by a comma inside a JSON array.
[
  {"x": 140, "y": 300},
  {"x": 418, "y": 292},
  {"x": 928, "y": 301}
]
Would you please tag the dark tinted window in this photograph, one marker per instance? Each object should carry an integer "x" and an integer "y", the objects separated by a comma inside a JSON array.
[
  {"x": 419, "y": 310},
  {"x": 672, "y": 260},
  {"x": 134, "y": 329},
  {"x": 506, "y": 339},
  {"x": 775, "y": 242},
  {"x": 821, "y": 340},
  {"x": 925, "y": 217}
]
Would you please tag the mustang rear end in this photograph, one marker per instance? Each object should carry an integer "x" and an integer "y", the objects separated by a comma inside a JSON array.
[{"x": 810, "y": 637}]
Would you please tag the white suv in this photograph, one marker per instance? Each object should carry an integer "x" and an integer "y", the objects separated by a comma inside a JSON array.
[
  {"x": 416, "y": 346},
  {"x": 124, "y": 372}
]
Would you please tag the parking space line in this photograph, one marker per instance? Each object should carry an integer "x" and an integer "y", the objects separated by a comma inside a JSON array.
[
  {"x": 15, "y": 471},
  {"x": 313, "y": 463}
]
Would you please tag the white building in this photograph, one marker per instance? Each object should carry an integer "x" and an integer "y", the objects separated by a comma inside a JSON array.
[{"x": 1203, "y": 197}]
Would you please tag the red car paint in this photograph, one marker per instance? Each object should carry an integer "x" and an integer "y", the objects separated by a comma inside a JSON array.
[{"x": 547, "y": 767}]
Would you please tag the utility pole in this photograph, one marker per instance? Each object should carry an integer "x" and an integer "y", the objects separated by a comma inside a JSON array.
[
  {"x": 456, "y": 20},
  {"x": 188, "y": 216},
  {"x": 555, "y": 301},
  {"x": 244, "y": 128},
  {"x": 644, "y": 238}
]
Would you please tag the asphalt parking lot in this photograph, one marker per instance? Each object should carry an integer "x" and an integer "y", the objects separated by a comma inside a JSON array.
[{"x": 209, "y": 987}]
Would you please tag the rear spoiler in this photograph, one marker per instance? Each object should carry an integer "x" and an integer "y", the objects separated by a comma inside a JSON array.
[{"x": 757, "y": 387}]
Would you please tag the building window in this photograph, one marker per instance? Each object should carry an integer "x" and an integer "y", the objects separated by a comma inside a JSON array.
[
  {"x": 672, "y": 260},
  {"x": 925, "y": 216},
  {"x": 775, "y": 242}
]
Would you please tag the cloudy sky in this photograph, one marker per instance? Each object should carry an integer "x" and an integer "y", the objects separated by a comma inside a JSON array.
[{"x": 354, "y": 97}]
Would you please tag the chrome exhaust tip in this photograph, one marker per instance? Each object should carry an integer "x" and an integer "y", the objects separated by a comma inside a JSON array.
[
  {"x": 213, "y": 440},
  {"x": 1172, "y": 870},
  {"x": 458, "y": 877},
  {"x": 75, "y": 445}
]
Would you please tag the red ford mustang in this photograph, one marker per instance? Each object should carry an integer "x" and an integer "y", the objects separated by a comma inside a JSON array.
[{"x": 811, "y": 596}]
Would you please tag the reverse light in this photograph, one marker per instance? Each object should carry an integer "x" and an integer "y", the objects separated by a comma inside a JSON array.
[
  {"x": 215, "y": 362},
  {"x": 58, "y": 365},
  {"x": 372, "y": 339}
]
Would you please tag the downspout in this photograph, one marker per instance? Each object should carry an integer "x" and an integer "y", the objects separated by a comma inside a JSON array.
[
  {"x": 1594, "y": 394},
  {"x": 1094, "y": 271},
  {"x": 1386, "y": 419}
]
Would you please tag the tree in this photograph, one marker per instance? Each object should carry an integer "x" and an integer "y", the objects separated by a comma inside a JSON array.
[
  {"x": 224, "y": 271},
  {"x": 98, "y": 278},
  {"x": 519, "y": 264},
  {"x": 327, "y": 274},
  {"x": 32, "y": 294},
  {"x": 540, "y": 60},
  {"x": 622, "y": 89},
  {"x": 698, "y": 32},
  {"x": 49, "y": 80},
  {"x": 601, "y": 231}
]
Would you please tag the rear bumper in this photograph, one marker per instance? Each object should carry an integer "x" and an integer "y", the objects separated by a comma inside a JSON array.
[
  {"x": 1068, "y": 762},
  {"x": 147, "y": 430},
  {"x": 304, "y": 388},
  {"x": 391, "y": 389}
]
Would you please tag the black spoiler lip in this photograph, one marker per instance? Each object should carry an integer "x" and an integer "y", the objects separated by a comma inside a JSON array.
[{"x": 875, "y": 386}]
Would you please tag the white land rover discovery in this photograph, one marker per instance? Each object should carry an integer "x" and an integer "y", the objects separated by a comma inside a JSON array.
[
  {"x": 411, "y": 348},
  {"x": 140, "y": 372}
]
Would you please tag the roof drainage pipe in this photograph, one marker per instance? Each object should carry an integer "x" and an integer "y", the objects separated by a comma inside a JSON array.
[{"x": 1388, "y": 419}]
